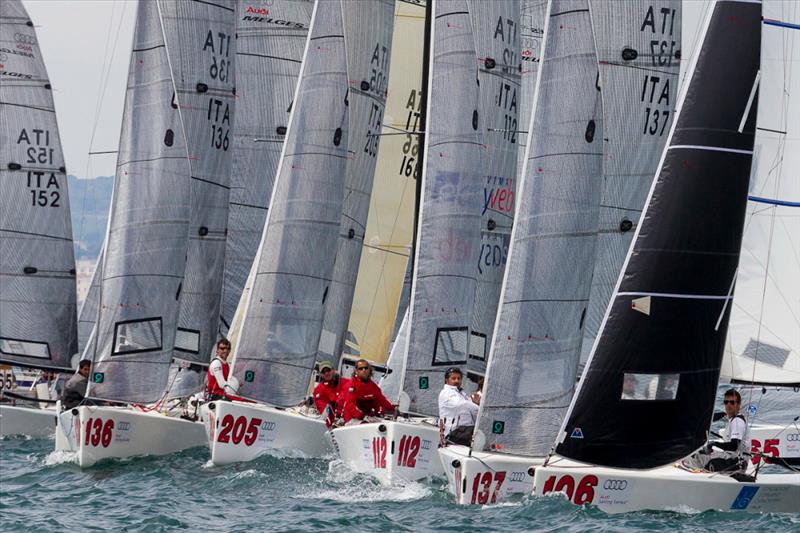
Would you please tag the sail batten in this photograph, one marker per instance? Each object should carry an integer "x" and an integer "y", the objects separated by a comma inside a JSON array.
[
  {"x": 38, "y": 315},
  {"x": 659, "y": 358}
]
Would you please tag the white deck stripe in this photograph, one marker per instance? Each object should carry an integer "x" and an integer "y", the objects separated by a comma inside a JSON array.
[
  {"x": 673, "y": 295},
  {"x": 710, "y": 148},
  {"x": 750, "y": 101}
]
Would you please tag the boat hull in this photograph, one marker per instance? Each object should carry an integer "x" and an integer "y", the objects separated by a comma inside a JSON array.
[
  {"x": 669, "y": 488},
  {"x": 28, "y": 421},
  {"x": 391, "y": 451},
  {"x": 480, "y": 478},
  {"x": 97, "y": 433},
  {"x": 780, "y": 442},
  {"x": 239, "y": 431}
]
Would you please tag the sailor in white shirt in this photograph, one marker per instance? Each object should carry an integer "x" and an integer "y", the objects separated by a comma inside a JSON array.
[
  {"x": 727, "y": 455},
  {"x": 457, "y": 410}
]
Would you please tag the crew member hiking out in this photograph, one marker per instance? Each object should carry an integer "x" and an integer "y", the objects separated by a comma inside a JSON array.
[
  {"x": 329, "y": 394},
  {"x": 457, "y": 411},
  {"x": 364, "y": 397},
  {"x": 727, "y": 455}
]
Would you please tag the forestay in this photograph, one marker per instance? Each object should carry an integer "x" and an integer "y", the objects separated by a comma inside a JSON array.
[
  {"x": 201, "y": 39},
  {"x": 271, "y": 37},
  {"x": 145, "y": 252},
  {"x": 764, "y": 337},
  {"x": 283, "y": 316},
  {"x": 448, "y": 230},
  {"x": 37, "y": 261},
  {"x": 659, "y": 351},
  {"x": 534, "y": 357},
  {"x": 368, "y": 37},
  {"x": 638, "y": 45}
]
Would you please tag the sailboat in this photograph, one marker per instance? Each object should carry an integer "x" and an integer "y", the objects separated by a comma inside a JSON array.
[
  {"x": 763, "y": 348},
  {"x": 447, "y": 243},
  {"x": 333, "y": 116},
  {"x": 176, "y": 129},
  {"x": 38, "y": 327},
  {"x": 666, "y": 325},
  {"x": 534, "y": 356}
]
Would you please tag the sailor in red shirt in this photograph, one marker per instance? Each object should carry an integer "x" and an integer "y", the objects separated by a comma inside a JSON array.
[
  {"x": 218, "y": 385},
  {"x": 364, "y": 397},
  {"x": 330, "y": 392}
]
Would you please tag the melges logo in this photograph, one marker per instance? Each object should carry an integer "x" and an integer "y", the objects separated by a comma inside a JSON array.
[
  {"x": 257, "y": 10},
  {"x": 615, "y": 484}
]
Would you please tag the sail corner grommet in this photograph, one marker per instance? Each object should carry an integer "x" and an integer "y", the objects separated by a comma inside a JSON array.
[
  {"x": 491, "y": 225},
  {"x": 629, "y": 54},
  {"x": 30, "y": 270},
  {"x": 202, "y": 231},
  {"x": 48, "y": 86},
  {"x": 364, "y": 85},
  {"x": 14, "y": 166},
  {"x": 281, "y": 130},
  {"x": 351, "y": 233},
  {"x": 202, "y": 88},
  {"x": 490, "y": 63},
  {"x": 625, "y": 225}
]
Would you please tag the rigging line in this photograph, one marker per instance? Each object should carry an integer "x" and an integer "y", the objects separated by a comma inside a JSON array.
[
  {"x": 750, "y": 101},
  {"x": 772, "y": 201}
]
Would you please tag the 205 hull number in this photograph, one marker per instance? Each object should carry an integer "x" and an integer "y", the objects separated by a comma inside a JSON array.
[
  {"x": 235, "y": 430},
  {"x": 578, "y": 493}
]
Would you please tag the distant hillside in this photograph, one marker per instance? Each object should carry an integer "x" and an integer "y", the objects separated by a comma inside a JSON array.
[{"x": 89, "y": 202}]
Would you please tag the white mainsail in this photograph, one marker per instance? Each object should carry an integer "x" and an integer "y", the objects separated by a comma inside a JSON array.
[
  {"x": 368, "y": 36},
  {"x": 380, "y": 287},
  {"x": 173, "y": 86},
  {"x": 638, "y": 45},
  {"x": 271, "y": 37},
  {"x": 496, "y": 26},
  {"x": 282, "y": 320},
  {"x": 448, "y": 228},
  {"x": 532, "y": 16},
  {"x": 538, "y": 334},
  {"x": 764, "y": 335},
  {"x": 37, "y": 263}
]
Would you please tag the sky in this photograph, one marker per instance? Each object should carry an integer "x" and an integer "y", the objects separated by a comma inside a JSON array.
[{"x": 86, "y": 46}]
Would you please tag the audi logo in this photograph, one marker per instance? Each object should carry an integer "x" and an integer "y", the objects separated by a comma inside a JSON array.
[
  {"x": 793, "y": 437},
  {"x": 268, "y": 425},
  {"x": 24, "y": 39},
  {"x": 517, "y": 476},
  {"x": 615, "y": 484}
]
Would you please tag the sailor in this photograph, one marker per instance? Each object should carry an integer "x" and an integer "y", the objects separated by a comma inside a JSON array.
[
  {"x": 629, "y": 387},
  {"x": 75, "y": 389},
  {"x": 363, "y": 397},
  {"x": 330, "y": 392},
  {"x": 219, "y": 385},
  {"x": 726, "y": 455},
  {"x": 457, "y": 410}
]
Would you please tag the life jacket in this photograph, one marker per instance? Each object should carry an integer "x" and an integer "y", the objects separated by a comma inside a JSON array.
[{"x": 213, "y": 388}]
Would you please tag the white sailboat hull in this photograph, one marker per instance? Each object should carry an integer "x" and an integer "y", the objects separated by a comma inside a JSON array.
[
  {"x": 776, "y": 441},
  {"x": 97, "y": 433},
  {"x": 391, "y": 451},
  {"x": 239, "y": 432},
  {"x": 28, "y": 421},
  {"x": 480, "y": 478},
  {"x": 668, "y": 488}
]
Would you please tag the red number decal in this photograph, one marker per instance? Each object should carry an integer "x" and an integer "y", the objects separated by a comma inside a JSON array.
[
  {"x": 485, "y": 479},
  {"x": 499, "y": 477},
  {"x": 88, "y": 431},
  {"x": 227, "y": 425},
  {"x": 408, "y": 450},
  {"x": 97, "y": 430},
  {"x": 379, "y": 452},
  {"x": 252, "y": 431},
  {"x": 105, "y": 438},
  {"x": 238, "y": 429},
  {"x": 770, "y": 447},
  {"x": 584, "y": 493}
]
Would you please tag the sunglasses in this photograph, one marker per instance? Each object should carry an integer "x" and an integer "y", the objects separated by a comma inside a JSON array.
[
  {"x": 362, "y": 368},
  {"x": 726, "y": 402}
]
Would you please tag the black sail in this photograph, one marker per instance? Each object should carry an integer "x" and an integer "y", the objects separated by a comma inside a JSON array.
[{"x": 647, "y": 395}]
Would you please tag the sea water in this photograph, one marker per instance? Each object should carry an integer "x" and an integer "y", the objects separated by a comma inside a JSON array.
[{"x": 43, "y": 490}]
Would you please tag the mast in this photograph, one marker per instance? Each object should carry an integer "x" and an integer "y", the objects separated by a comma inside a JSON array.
[
  {"x": 496, "y": 26},
  {"x": 268, "y": 57},
  {"x": 666, "y": 324},
  {"x": 38, "y": 322},
  {"x": 538, "y": 333},
  {"x": 282, "y": 321},
  {"x": 368, "y": 34},
  {"x": 639, "y": 48},
  {"x": 448, "y": 228}
]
